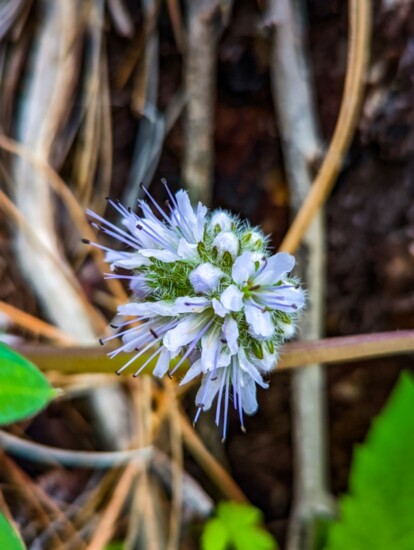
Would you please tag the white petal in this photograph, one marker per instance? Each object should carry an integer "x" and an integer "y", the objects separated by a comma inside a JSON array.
[
  {"x": 231, "y": 334},
  {"x": 205, "y": 278},
  {"x": 201, "y": 220},
  {"x": 218, "y": 307},
  {"x": 260, "y": 322},
  {"x": 267, "y": 364},
  {"x": 127, "y": 260},
  {"x": 184, "y": 332},
  {"x": 210, "y": 349},
  {"x": 193, "y": 371},
  {"x": 134, "y": 309},
  {"x": 185, "y": 213},
  {"x": 212, "y": 354},
  {"x": 295, "y": 297},
  {"x": 189, "y": 304},
  {"x": 150, "y": 309},
  {"x": 208, "y": 389},
  {"x": 187, "y": 250},
  {"x": 222, "y": 220},
  {"x": 139, "y": 286},
  {"x": 244, "y": 268},
  {"x": 249, "y": 369},
  {"x": 163, "y": 363},
  {"x": 226, "y": 241},
  {"x": 276, "y": 267},
  {"x": 248, "y": 395},
  {"x": 232, "y": 298}
]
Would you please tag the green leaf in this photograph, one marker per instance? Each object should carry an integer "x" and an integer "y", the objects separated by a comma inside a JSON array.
[
  {"x": 378, "y": 511},
  {"x": 236, "y": 526},
  {"x": 215, "y": 535},
  {"x": 8, "y": 537},
  {"x": 24, "y": 390}
]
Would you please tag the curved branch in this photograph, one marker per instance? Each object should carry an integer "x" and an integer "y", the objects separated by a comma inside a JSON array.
[{"x": 360, "y": 28}]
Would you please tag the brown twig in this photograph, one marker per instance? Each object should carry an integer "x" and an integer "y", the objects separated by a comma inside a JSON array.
[
  {"x": 360, "y": 28},
  {"x": 209, "y": 464}
]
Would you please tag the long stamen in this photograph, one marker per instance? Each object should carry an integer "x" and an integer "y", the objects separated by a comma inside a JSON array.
[
  {"x": 156, "y": 352},
  {"x": 128, "y": 240},
  {"x": 226, "y": 405},
  {"x": 156, "y": 205},
  {"x": 219, "y": 399},
  {"x": 143, "y": 226}
]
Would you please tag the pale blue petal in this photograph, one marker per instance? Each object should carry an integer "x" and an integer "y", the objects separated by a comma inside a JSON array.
[
  {"x": 248, "y": 395},
  {"x": 259, "y": 321},
  {"x": 186, "y": 250},
  {"x": 244, "y": 268},
  {"x": 163, "y": 363},
  {"x": 218, "y": 307},
  {"x": 232, "y": 298},
  {"x": 208, "y": 389},
  {"x": 126, "y": 260},
  {"x": 231, "y": 334},
  {"x": 276, "y": 267},
  {"x": 193, "y": 371}
]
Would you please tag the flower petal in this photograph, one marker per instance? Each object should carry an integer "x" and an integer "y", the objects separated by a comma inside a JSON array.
[
  {"x": 185, "y": 332},
  {"x": 193, "y": 371},
  {"x": 208, "y": 389},
  {"x": 126, "y": 260},
  {"x": 243, "y": 268},
  {"x": 276, "y": 267},
  {"x": 231, "y": 334},
  {"x": 218, "y": 307},
  {"x": 259, "y": 321},
  {"x": 232, "y": 298},
  {"x": 248, "y": 395},
  {"x": 163, "y": 363},
  {"x": 186, "y": 250},
  {"x": 205, "y": 278}
]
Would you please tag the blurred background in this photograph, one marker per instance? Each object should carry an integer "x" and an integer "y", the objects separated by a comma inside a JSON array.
[{"x": 98, "y": 96}]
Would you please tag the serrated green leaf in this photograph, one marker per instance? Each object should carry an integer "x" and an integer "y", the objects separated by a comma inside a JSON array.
[
  {"x": 237, "y": 526},
  {"x": 8, "y": 536},
  {"x": 24, "y": 390},
  {"x": 378, "y": 511}
]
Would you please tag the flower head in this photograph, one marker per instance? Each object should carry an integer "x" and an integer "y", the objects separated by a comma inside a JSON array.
[{"x": 205, "y": 288}]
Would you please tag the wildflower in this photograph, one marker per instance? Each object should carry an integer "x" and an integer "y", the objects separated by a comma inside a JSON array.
[{"x": 204, "y": 288}]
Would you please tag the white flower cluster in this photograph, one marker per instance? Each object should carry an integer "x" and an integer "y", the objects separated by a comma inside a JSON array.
[{"x": 205, "y": 288}]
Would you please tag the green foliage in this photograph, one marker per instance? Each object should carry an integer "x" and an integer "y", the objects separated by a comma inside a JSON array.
[
  {"x": 236, "y": 526},
  {"x": 9, "y": 539},
  {"x": 378, "y": 512},
  {"x": 24, "y": 390}
]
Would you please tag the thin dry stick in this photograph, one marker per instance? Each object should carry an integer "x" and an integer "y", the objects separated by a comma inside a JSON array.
[
  {"x": 296, "y": 354},
  {"x": 200, "y": 76},
  {"x": 209, "y": 464},
  {"x": 177, "y": 466},
  {"x": 35, "y": 325},
  {"x": 105, "y": 527},
  {"x": 17, "y": 217},
  {"x": 360, "y": 29},
  {"x": 46, "y": 455},
  {"x": 74, "y": 209},
  {"x": 293, "y": 98},
  {"x": 45, "y": 508}
]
